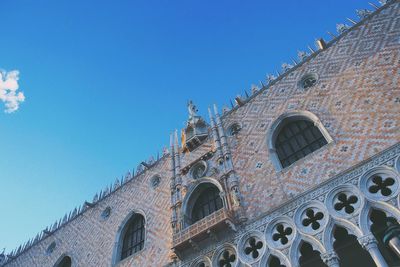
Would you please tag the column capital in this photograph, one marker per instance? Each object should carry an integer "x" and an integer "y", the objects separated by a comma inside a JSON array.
[
  {"x": 330, "y": 258},
  {"x": 368, "y": 242}
]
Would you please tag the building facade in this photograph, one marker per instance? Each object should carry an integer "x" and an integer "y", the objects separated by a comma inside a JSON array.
[{"x": 303, "y": 171}]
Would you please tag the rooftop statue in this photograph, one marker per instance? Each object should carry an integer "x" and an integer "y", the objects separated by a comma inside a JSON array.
[{"x": 192, "y": 110}]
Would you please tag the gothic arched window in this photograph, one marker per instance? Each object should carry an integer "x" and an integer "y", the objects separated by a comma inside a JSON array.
[
  {"x": 206, "y": 203},
  {"x": 296, "y": 139},
  {"x": 64, "y": 262},
  {"x": 133, "y": 236}
]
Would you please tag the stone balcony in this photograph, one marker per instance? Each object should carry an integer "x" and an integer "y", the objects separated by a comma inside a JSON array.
[{"x": 208, "y": 227}]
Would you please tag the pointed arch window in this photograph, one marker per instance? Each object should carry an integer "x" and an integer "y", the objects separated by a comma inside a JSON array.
[
  {"x": 295, "y": 135},
  {"x": 133, "y": 238},
  {"x": 64, "y": 262},
  {"x": 207, "y": 202},
  {"x": 296, "y": 140}
]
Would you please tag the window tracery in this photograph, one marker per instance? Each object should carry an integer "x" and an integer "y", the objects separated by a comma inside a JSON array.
[
  {"x": 313, "y": 229},
  {"x": 208, "y": 202},
  {"x": 296, "y": 140},
  {"x": 133, "y": 237}
]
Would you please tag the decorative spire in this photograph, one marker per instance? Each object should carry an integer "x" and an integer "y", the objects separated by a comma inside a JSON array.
[
  {"x": 172, "y": 154},
  {"x": 215, "y": 134},
  {"x": 3, "y": 257},
  {"x": 176, "y": 150},
  {"x": 221, "y": 133}
]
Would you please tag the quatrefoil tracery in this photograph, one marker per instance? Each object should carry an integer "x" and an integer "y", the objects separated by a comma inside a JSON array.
[
  {"x": 381, "y": 184},
  {"x": 253, "y": 248},
  {"x": 313, "y": 218},
  {"x": 227, "y": 259},
  {"x": 282, "y": 234},
  {"x": 346, "y": 203}
]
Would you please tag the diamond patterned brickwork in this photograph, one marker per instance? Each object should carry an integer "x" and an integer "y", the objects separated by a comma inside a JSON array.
[
  {"x": 89, "y": 239},
  {"x": 355, "y": 98}
]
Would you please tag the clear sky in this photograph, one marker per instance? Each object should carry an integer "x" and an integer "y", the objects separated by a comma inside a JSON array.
[{"x": 105, "y": 82}]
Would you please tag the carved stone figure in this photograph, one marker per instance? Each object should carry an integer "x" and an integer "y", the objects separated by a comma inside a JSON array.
[{"x": 192, "y": 110}]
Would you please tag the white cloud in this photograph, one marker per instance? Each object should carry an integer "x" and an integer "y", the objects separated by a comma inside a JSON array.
[{"x": 8, "y": 90}]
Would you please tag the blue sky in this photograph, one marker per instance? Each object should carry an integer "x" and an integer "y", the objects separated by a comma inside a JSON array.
[{"x": 107, "y": 81}]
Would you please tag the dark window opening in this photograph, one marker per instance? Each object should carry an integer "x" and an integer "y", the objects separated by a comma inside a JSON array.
[
  {"x": 275, "y": 262},
  {"x": 234, "y": 129},
  {"x": 65, "y": 262},
  {"x": 380, "y": 222},
  {"x": 350, "y": 251},
  {"x": 208, "y": 202},
  {"x": 310, "y": 257},
  {"x": 134, "y": 236},
  {"x": 297, "y": 139}
]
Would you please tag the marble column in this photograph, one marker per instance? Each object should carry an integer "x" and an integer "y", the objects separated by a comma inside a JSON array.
[{"x": 370, "y": 244}]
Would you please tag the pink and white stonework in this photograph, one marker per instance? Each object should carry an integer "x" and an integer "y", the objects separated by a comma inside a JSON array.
[{"x": 354, "y": 102}]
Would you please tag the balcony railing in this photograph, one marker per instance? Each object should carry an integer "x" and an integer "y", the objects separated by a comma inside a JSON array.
[{"x": 200, "y": 229}]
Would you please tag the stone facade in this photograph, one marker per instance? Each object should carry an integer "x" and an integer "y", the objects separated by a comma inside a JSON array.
[{"x": 355, "y": 102}]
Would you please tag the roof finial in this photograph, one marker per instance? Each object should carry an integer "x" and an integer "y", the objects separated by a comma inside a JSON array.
[
  {"x": 363, "y": 13},
  {"x": 341, "y": 28},
  {"x": 302, "y": 55}
]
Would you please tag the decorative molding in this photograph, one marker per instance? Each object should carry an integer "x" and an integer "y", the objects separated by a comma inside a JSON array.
[{"x": 343, "y": 182}]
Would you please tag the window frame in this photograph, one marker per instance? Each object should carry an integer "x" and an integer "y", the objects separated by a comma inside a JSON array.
[
  {"x": 203, "y": 200},
  {"x": 122, "y": 230},
  {"x": 134, "y": 228},
  {"x": 192, "y": 195},
  {"x": 62, "y": 257},
  {"x": 280, "y": 122}
]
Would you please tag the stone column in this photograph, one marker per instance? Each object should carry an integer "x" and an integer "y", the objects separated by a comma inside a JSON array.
[
  {"x": 370, "y": 244},
  {"x": 331, "y": 259},
  {"x": 392, "y": 237}
]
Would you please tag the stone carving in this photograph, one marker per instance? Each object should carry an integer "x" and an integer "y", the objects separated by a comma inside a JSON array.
[
  {"x": 302, "y": 55},
  {"x": 363, "y": 13},
  {"x": 381, "y": 185},
  {"x": 346, "y": 202},
  {"x": 368, "y": 242},
  {"x": 282, "y": 234},
  {"x": 313, "y": 219},
  {"x": 341, "y": 28},
  {"x": 270, "y": 78},
  {"x": 330, "y": 258},
  {"x": 236, "y": 197},
  {"x": 192, "y": 110},
  {"x": 227, "y": 259},
  {"x": 286, "y": 67},
  {"x": 384, "y": 2}
]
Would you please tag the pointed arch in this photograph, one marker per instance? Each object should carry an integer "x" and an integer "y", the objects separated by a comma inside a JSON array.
[
  {"x": 318, "y": 135},
  {"x": 266, "y": 259},
  {"x": 328, "y": 237},
  {"x": 294, "y": 252},
  {"x": 133, "y": 224},
  {"x": 64, "y": 261},
  {"x": 195, "y": 192},
  {"x": 364, "y": 221}
]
